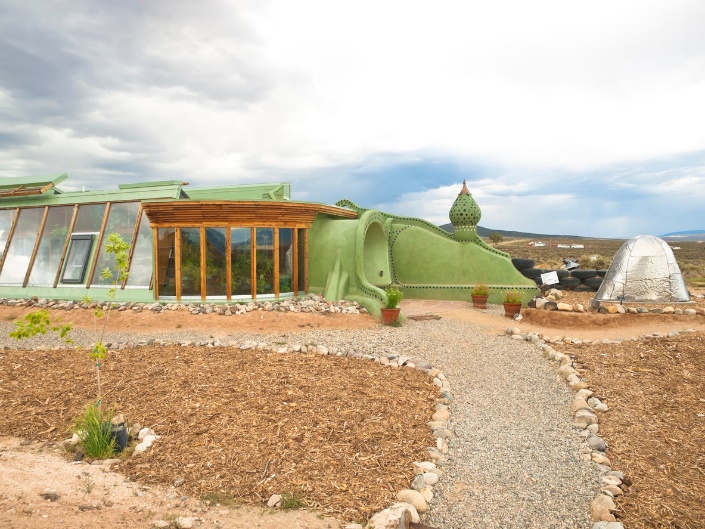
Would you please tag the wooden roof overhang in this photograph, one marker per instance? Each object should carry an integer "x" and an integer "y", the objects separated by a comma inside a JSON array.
[
  {"x": 246, "y": 213},
  {"x": 24, "y": 191}
]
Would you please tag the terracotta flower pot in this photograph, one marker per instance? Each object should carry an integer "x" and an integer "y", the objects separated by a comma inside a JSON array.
[
  {"x": 390, "y": 316},
  {"x": 511, "y": 309},
  {"x": 479, "y": 302}
]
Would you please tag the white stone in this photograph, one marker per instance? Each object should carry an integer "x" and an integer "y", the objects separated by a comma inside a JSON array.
[
  {"x": 414, "y": 498},
  {"x": 274, "y": 500},
  {"x": 430, "y": 478},
  {"x": 424, "y": 466},
  {"x": 395, "y": 517},
  {"x": 144, "y": 432}
]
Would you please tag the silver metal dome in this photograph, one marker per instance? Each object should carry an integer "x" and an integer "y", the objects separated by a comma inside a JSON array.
[{"x": 644, "y": 270}]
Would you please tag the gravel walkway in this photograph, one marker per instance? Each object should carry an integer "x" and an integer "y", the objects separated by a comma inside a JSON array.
[{"x": 514, "y": 460}]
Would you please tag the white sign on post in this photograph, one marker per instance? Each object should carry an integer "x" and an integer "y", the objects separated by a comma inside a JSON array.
[{"x": 549, "y": 278}]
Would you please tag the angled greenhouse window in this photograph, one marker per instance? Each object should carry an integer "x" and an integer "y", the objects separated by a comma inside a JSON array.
[
  {"x": 121, "y": 220},
  {"x": 51, "y": 246},
  {"x": 6, "y": 216},
  {"x": 141, "y": 264},
  {"x": 21, "y": 246},
  {"x": 77, "y": 259}
]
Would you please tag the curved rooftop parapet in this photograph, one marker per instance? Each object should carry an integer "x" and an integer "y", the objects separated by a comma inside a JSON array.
[{"x": 644, "y": 269}]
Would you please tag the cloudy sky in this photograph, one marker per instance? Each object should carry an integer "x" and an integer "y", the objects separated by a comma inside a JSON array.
[{"x": 584, "y": 118}]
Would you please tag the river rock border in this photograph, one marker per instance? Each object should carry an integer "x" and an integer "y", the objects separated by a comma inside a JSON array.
[
  {"x": 552, "y": 301},
  {"x": 310, "y": 303},
  {"x": 586, "y": 408}
]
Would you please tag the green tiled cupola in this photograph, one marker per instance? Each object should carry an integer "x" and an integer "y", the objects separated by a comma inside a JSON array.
[{"x": 465, "y": 214}]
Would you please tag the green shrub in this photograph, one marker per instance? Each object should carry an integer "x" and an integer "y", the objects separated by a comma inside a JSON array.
[
  {"x": 512, "y": 296},
  {"x": 93, "y": 427},
  {"x": 597, "y": 262},
  {"x": 292, "y": 500},
  {"x": 480, "y": 290},
  {"x": 394, "y": 296}
]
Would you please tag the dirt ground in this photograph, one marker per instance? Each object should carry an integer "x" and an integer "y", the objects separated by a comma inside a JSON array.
[{"x": 228, "y": 434}]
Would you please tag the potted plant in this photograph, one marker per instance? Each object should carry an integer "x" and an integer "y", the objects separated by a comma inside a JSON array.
[
  {"x": 390, "y": 312},
  {"x": 479, "y": 294},
  {"x": 512, "y": 303}
]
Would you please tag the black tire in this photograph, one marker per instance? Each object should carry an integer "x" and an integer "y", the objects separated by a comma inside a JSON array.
[
  {"x": 581, "y": 273},
  {"x": 593, "y": 282},
  {"x": 570, "y": 282},
  {"x": 562, "y": 273},
  {"x": 584, "y": 288},
  {"x": 601, "y": 273},
  {"x": 521, "y": 263},
  {"x": 532, "y": 273}
]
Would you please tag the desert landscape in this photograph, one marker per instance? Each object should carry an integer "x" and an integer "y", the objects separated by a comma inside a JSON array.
[{"x": 331, "y": 435}]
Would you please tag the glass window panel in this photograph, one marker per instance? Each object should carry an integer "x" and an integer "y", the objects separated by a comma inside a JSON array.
[
  {"x": 6, "y": 216},
  {"x": 121, "y": 220},
  {"x": 141, "y": 265},
  {"x": 190, "y": 261},
  {"x": 89, "y": 218},
  {"x": 265, "y": 260},
  {"x": 51, "y": 246},
  {"x": 166, "y": 271},
  {"x": 302, "y": 253},
  {"x": 286, "y": 252},
  {"x": 215, "y": 262},
  {"x": 21, "y": 246},
  {"x": 77, "y": 259},
  {"x": 240, "y": 261}
]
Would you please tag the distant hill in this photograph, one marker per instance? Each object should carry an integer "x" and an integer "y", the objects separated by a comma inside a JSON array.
[
  {"x": 690, "y": 235},
  {"x": 486, "y": 232}
]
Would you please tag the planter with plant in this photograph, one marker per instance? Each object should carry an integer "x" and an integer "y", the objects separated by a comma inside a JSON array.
[
  {"x": 479, "y": 294},
  {"x": 512, "y": 303},
  {"x": 390, "y": 312}
]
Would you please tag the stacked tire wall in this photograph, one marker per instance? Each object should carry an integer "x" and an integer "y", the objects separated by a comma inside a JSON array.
[{"x": 579, "y": 280}]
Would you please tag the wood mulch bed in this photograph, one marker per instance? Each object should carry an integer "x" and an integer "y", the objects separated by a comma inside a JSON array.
[
  {"x": 655, "y": 428},
  {"x": 340, "y": 434}
]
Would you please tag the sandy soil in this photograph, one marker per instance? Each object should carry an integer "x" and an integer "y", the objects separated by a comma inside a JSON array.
[{"x": 39, "y": 488}]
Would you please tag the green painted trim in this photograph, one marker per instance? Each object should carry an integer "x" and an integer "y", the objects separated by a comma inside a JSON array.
[
  {"x": 464, "y": 292},
  {"x": 83, "y": 197},
  {"x": 144, "y": 185},
  {"x": 274, "y": 191},
  {"x": 11, "y": 182},
  {"x": 143, "y": 295}
]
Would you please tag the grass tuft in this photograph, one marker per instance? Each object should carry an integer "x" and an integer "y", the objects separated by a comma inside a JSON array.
[
  {"x": 292, "y": 500},
  {"x": 93, "y": 427}
]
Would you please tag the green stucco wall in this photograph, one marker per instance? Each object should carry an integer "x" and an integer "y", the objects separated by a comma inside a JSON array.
[
  {"x": 326, "y": 238},
  {"x": 347, "y": 256},
  {"x": 375, "y": 256},
  {"x": 421, "y": 257}
]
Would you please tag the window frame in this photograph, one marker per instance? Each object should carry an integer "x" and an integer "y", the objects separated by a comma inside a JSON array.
[{"x": 77, "y": 237}]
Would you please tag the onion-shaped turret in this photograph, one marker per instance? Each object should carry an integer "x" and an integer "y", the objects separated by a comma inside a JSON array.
[{"x": 465, "y": 214}]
